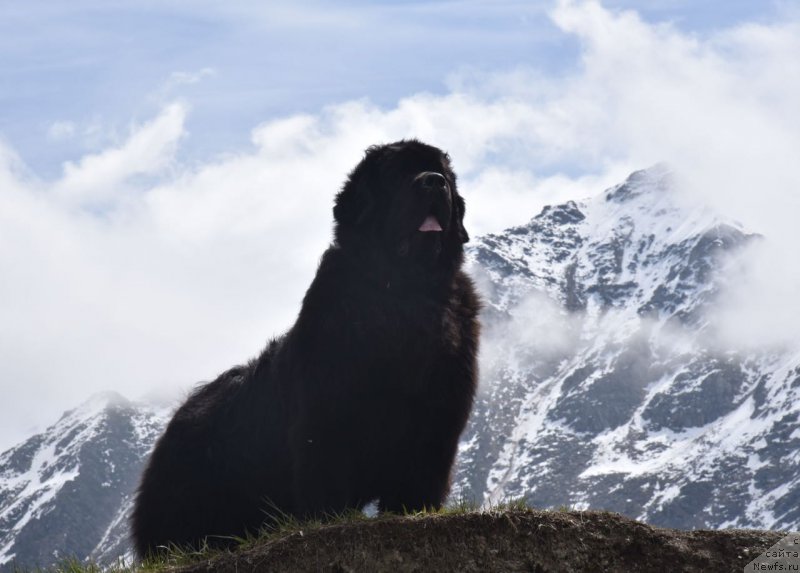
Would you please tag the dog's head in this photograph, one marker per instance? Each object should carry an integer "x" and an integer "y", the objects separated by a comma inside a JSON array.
[{"x": 402, "y": 199}]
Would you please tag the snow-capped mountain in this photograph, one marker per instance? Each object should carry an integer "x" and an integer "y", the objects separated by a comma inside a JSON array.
[
  {"x": 67, "y": 491},
  {"x": 604, "y": 383},
  {"x": 603, "y": 386}
]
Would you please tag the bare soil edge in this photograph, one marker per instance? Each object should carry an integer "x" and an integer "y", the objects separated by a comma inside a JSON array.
[{"x": 525, "y": 540}]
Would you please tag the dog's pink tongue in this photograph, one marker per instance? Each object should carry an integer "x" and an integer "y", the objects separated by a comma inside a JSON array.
[{"x": 430, "y": 224}]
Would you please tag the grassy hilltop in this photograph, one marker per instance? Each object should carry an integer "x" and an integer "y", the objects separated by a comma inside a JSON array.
[{"x": 512, "y": 538}]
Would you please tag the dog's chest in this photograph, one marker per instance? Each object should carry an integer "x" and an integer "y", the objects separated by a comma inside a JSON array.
[{"x": 416, "y": 327}]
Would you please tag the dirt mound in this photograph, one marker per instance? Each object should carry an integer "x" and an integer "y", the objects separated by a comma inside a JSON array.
[{"x": 525, "y": 540}]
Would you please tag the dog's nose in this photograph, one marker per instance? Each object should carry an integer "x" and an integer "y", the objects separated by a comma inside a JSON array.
[{"x": 432, "y": 180}]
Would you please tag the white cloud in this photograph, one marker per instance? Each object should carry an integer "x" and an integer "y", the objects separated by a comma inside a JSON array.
[
  {"x": 150, "y": 148},
  {"x": 60, "y": 130},
  {"x": 538, "y": 331},
  {"x": 182, "y": 78},
  {"x": 135, "y": 271},
  {"x": 178, "y": 80}
]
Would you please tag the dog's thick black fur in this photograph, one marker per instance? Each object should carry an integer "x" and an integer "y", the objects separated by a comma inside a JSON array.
[{"x": 362, "y": 399}]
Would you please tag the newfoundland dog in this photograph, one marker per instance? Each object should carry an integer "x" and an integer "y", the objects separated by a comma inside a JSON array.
[{"x": 362, "y": 400}]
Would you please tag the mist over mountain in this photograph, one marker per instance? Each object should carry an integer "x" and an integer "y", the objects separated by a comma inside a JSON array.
[{"x": 607, "y": 382}]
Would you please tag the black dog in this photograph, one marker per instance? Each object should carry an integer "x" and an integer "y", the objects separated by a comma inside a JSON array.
[{"x": 362, "y": 399}]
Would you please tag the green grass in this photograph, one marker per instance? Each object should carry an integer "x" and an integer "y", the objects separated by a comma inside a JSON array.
[{"x": 280, "y": 526}]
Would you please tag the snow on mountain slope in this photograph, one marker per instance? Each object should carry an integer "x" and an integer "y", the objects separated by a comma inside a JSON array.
[
  {"x": 60, "y": 489},
  {"x": 604, "y": 384}
]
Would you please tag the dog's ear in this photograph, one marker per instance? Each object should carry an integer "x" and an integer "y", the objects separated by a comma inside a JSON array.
[
  {"x": 355, "y": 201},
  {"x": 459, "y": 208}
]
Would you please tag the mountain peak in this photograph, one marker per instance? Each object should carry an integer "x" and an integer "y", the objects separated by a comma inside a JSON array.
[
  {"x": 96, "y": 404},
  {"x": 658, "y": 178},
  {"x": 563, "y": 214},
  {"x": 106, "y": 399}
]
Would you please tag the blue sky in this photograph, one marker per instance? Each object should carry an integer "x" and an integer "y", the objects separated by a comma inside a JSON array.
[
  {"x": 96, "y": 65},
  {"x": 153, "y": 152}
]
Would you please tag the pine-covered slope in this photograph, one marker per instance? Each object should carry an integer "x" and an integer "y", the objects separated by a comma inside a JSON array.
[{"x": 605, "y": 385}]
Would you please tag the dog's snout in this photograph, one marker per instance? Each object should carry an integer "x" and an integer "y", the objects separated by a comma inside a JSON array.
[{"x": 432, "y": 180}]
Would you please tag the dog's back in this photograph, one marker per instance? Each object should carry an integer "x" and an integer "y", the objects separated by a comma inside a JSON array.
[{"x": 206, "y": 475}]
